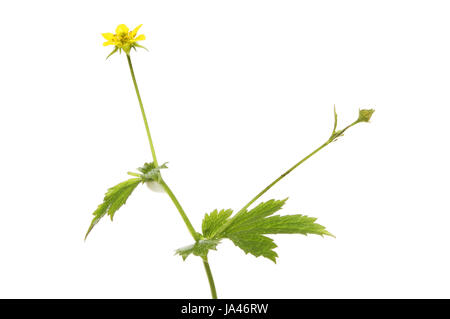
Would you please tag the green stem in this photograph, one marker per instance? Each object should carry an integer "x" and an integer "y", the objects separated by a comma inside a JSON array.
[
  {"x": 332, "y": 138},
  {"x": 169, "y": 192},
  {"x": 180, "y": 209},
  {"x": 243, "y": 209},
  {"x": 210, "y": 278},
  {"x": 163, "y": 184},
  {"x": 152, "y": 148},
  {"x": 281, "y": 177}
]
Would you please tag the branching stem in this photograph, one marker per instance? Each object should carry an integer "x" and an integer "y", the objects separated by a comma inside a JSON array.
[
  {"x": 334, "y": 135},
  {"x": 364, "y": 117},
  {"x": 180, "y": 209},
  {"x": 169, "y": 192}
]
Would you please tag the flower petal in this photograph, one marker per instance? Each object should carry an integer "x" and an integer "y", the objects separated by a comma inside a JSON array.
[
  {"x": 135, "y": 31},
  {"x": 108, "y": 36},
  {"x": 140, "y": 38},
  {"x": 122, "y": 29},
  {"x": 107, "y": 43}
]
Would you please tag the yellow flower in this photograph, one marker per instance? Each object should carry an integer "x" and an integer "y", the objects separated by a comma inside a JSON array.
[{"x": 123, "y": 39}]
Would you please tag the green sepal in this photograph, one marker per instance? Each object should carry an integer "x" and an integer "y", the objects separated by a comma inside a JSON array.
[
  {"x": 113, "y": 51},
  {"x": 139, "y": 46},
  {"x": 365, "y": 115}
]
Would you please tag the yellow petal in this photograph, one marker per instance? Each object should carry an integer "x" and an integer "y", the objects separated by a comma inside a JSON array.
[
  {"x": 140, "y": 38},
  {"x": 135, "y": 31},
  {"x": 108, "y": 36},
  {"x": 107, "y": 43},
  {"x": 122, "y": 29}
]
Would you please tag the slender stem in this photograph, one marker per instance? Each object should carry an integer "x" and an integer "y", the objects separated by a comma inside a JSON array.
[
  {"x": 243, "y": 209},
  {"x": 282, "y": 176},
  {"x": 332, "y": 138},
  {"x": 169, "y": 192},
  {"x": 194, "y": 234},
  {"x": 163, "y": 184},
  {"x": 210, "y": 278},
  {"x": 152, "y": 148},
  {"x": 180, "y": 209}
]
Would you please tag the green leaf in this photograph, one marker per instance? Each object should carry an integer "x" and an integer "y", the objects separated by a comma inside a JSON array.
[
  {"x": 214, "y": 220},
  {"x": 291, "y": 224},
  {"x": 247, "y": 228},
  {"x": 255, "y": 244},
  {"x": 114, "y": 198},
  {"x": 200, "y": 248},
  {"x": 247, "y": 220}
]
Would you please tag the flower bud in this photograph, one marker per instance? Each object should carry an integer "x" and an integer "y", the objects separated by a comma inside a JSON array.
[{"x": 365, "y": 115}]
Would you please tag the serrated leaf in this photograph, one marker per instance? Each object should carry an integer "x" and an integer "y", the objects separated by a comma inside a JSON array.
[
  {"x": 255, "y": 244},
  {"x": 247, "y": 229},
  {"x": 291, "y": 224},
  {"x": 115, "y": 198},
  {"x": 200, "y": 248},
  {"x": 246, "y": 220},
  {"x": 214, "y": 220}
]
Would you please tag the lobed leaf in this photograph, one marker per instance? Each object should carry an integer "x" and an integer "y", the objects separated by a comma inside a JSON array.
[
  {"x": 247, "y": 228},
  {"x": 247, "y": 220},
  {"x": 214, "y": 221},
  {"x": 255, "y": 244}
]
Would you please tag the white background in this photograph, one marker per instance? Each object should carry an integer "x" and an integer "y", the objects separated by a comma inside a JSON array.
[{"x": 236, "y": 92}]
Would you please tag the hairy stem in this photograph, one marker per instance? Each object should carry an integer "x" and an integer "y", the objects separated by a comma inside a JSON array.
[{"x": 169, "y": 192}]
